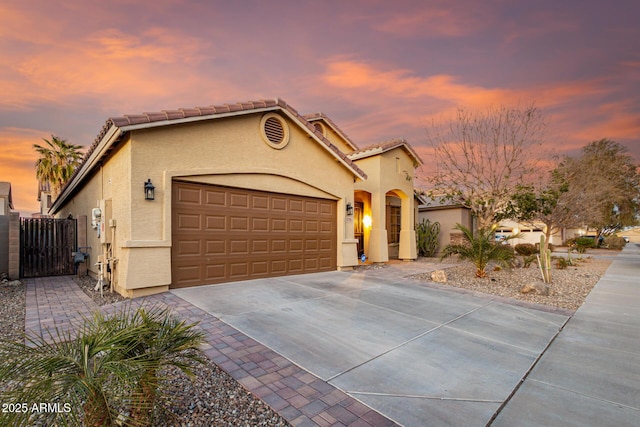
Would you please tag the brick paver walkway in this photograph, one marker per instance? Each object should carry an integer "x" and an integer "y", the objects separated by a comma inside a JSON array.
[{"x": 297, "y": 395}]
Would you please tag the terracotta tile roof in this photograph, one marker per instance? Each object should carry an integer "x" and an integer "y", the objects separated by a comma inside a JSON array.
[
  {"x": 167, "y": 116},
  {"x": 385, "y": 146},
  {"x": 321, "y": 116}
]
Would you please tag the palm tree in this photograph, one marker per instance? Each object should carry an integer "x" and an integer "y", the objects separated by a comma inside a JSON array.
[
  {"x": 480, "y": 249},
  {"x": 105, "y": 374},
  {"x": 164, "y": 341},
  {"x": 57, "y": 162}
]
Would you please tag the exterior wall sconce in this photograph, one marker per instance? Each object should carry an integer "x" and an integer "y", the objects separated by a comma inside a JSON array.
[
  {"x": 366, "y": 221},
  {"x": 149, "y": 190},
  {"x": 349, "y": 209}
]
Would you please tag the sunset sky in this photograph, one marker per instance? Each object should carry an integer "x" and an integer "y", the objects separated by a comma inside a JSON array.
[{"x": 380, "y": 69}]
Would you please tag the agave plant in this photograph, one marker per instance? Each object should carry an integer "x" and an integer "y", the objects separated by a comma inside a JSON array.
[
  {"x": 480, "y": 249},
  {"x": 104, "y": 374}
]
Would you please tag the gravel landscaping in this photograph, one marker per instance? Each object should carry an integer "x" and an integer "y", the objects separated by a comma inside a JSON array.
[{"x": 568, "y": 290}]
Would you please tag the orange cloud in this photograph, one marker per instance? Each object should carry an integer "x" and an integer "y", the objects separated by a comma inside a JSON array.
[
  {"x": 399, "y": 83},
  {"x": 17, "y": 165}
]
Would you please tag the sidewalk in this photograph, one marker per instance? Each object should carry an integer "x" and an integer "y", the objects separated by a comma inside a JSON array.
[{"x": 590, "y": 374}]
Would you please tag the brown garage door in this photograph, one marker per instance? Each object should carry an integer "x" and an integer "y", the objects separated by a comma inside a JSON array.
[{"x": 223, "y": 234}]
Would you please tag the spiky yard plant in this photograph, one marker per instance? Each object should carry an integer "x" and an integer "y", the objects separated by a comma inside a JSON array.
[
  {"x": 165, "y": 341},
  {"x": 105, "y": 373},
  {"x": 427, "y": 234},
  {"x": 480, "y": 248},
  {"x": 82, "y": 373}
]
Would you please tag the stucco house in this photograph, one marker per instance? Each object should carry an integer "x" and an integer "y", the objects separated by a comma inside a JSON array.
[
  {"x": 448, "y": 214},
  {"x": 238, "y": 191},
  {"x": 6, "y": 201}
]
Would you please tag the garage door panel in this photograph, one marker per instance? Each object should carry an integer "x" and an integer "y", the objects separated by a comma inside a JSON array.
[
  {"x": 326, "y": 245},
  {"x": 188, "y": 247},
  {"x": 239, "y": 223},
  {"x": 214, "y": 247},
  {"x": 188, "y": 222},
  {"x": 278, "y": 225},
  {"x": 214, "y": 197},
  {"x": 239, "y": 270},
  {"x": 326, "y": 227},
  {"x": 222, "y": 234},
  {"x": 189, "y": 272},
  {"x": 238, "y": 200},
  {"x": 260, "y": 246},
  {"x": 296, "y": 266},
  {"x": 296, "y": 245},
  {"x": 215, "y": 223},
  {"x": 296, "y": 206},
  {"x": 278, "y": 267},
  {"x": 259, "y": 224},
  {"x": 260, "y": 202},
  {"x": 296, "y": 225},
  {"x": 278, "y": 245},
  {"x": 327, "y": 209},
  {"x": 190, "y": 196},
  {"x": 278, "y": 204},
  {"x": 324, "y": 262},
  {"x": 238, "y": 247},
  {"x": 215, "y": 271}
]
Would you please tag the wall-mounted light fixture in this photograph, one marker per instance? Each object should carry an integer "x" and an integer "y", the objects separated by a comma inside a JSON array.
[
  {"x": 366, "y": 221},
  {"x": 149, "y": 190},
  {"x": 349, "y": 209}
]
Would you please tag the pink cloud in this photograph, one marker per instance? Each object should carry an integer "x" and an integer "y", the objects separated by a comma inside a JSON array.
[{"x": 442, "y": 20}]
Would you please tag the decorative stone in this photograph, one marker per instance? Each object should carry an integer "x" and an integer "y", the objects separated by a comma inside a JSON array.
[
  {"x": 13, "y": 283},
  {"x": 439, "y": 276},
  {"x": 537, "y": 288},
  {"x": 526, "y": 289}
]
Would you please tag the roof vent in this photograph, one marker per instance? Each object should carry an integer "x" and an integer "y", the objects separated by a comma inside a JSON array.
[
  {"x": 274, "y": 130},
  {"x": 320, "y": 128}
]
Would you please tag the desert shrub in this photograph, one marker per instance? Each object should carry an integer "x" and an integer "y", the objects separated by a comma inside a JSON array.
[
  {"x": 561, "y": 263},
  {"x": 614, "y": 242},
  {"x": 427, "y": 234},
  {"x": 525, "y": 249},
  {"x": 480, "y": 249},
  {"x": 528, "y": 259},
  {"x": 583, "y": 243}
]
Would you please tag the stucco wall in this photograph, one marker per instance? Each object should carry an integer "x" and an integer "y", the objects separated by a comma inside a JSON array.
[
  {"x": 336, "y": 139},
  {"x": 110, "y": 182},
  {"x": 391, "y": 171},
  {"x": 448, "y": 218}
]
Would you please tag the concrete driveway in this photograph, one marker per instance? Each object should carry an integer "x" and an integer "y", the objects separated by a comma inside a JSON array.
[{"x": 419, "y": 354}]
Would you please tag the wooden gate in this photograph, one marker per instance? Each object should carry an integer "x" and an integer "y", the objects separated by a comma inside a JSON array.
[{"x": 46, "y": 246}]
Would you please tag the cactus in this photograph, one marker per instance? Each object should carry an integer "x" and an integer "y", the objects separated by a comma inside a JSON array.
[
  {"x": 544, "y": 261},
  {"x": 427, "y": 237}
]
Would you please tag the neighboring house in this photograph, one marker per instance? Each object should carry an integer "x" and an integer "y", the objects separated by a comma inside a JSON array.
[
  {"x": 6, "y": 203},
  {"x": 529, "y": 233},
  {"x": 242, "y": 191},
  {"x": 632, "y": 234},
  {"x": 448, "y": 214},
  {"x": 44, "y": 199},
  {"x": 6, "y": 206}
]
